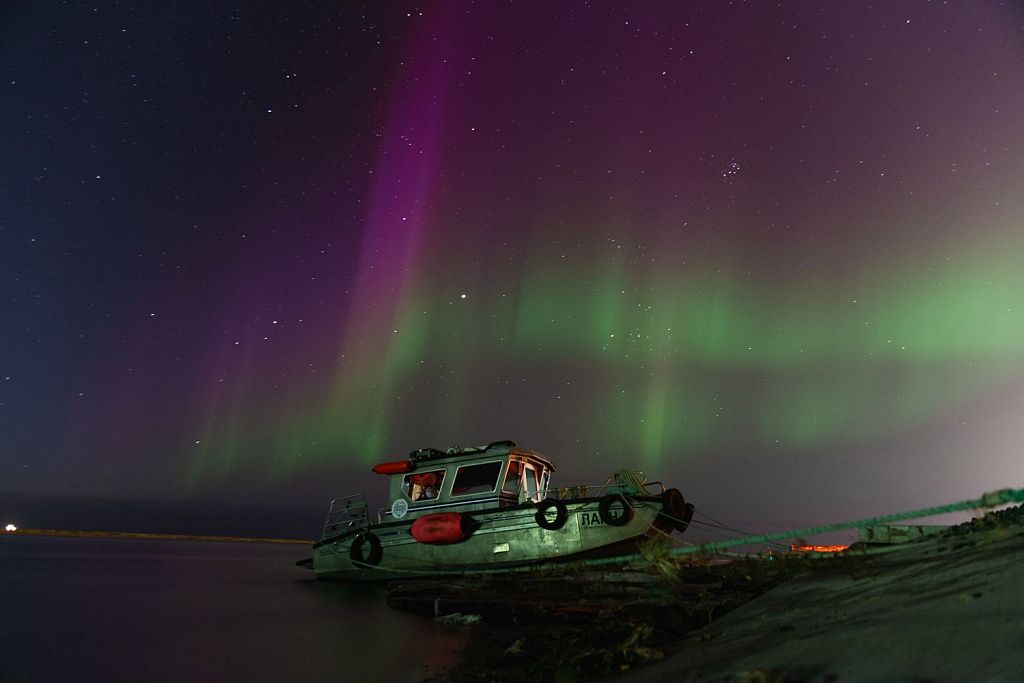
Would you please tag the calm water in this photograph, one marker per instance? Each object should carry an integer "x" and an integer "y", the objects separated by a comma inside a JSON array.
[{"x": 106, "y": 610}]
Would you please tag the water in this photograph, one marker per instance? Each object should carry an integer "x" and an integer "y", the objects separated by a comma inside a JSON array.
[{"x": 104, "y": 609}]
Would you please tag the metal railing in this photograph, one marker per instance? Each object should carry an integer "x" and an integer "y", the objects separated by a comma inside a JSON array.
[
  {"x": 622, "y": 481},
  {"x": 346, "y": 512}
]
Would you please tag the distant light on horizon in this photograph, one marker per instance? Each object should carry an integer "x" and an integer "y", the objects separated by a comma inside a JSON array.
[{"x": 10, "y": 527}]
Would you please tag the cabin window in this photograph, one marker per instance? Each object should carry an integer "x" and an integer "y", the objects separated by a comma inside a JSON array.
[
  {"x": 482, "y": 478},
  {"x": 531, "y": 483},
  {"x": 513, "y": 478},
  {"x": 423, "y": 485}
]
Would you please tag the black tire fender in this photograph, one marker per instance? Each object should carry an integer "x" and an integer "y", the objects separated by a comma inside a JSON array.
[
  {"x": 604, "y": 508},
  {"x": 356, "y": 554},
  {"x": 684, "y": 522},
  {"x": 673, "y": 506},
  {"x": 561, "y": 514}
]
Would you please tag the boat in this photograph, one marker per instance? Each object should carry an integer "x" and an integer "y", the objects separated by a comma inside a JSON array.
[{"x": 466, "y": 510}]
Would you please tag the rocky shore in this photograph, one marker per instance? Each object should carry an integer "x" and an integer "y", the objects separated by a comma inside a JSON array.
[{"x": 944, "y": 608}]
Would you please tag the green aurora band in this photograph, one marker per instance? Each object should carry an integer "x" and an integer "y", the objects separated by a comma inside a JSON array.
[{"x": 671, "y": 361}]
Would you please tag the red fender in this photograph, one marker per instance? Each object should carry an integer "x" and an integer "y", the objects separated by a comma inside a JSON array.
[
  {"x": 443, "y": 528},
  {"x": 396, "y": 467}
]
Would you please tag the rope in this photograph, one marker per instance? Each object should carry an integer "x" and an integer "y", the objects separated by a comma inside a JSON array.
[{"x": 989, "y": 500}]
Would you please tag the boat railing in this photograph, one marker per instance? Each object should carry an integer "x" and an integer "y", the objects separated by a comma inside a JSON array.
[
  {"x": 623, "y": 481},
  {"x": 346, "y": 512}
]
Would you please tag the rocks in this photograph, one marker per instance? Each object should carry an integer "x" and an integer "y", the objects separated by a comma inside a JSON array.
[
  {"x": 776, "y": 618},
  {"x": 458, "y": 619},
  {"x": 582, "y": 625}
]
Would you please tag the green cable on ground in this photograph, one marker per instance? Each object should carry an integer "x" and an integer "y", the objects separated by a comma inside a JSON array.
[{"x": 989, "y": 500}]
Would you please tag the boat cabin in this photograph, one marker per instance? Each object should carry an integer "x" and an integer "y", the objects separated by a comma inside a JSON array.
[{"x": 463, "y": 479}]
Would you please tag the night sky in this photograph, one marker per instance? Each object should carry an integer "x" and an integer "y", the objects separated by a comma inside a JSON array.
[{"x": 770, "y": 254}]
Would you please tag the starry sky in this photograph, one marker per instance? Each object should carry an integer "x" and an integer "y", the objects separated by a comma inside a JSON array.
[{"x": 772, "y": 254}]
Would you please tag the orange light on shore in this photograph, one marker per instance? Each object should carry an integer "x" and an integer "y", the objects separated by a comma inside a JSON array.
[{"x": 818, "y": 548}]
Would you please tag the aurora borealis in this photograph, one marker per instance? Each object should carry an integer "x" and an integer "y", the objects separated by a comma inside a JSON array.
[{"x": 773, "y": 254}]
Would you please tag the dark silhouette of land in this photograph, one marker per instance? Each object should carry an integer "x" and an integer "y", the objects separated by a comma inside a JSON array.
[{"x": 181, "y": 517}]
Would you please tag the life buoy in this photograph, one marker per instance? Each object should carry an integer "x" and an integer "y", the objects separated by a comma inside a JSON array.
[
  {"x": 355, "y": 552},
  {"x": 561, "y": 514},
  {"x": 425, "y": 479},
  {"x": 604, "y": 508}
]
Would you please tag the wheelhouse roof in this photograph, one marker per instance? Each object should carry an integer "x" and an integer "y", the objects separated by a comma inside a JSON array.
[{"x": 423, "y": 456}]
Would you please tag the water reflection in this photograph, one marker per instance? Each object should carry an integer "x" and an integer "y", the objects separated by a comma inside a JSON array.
[
  {"x": 100, "y": 610},
  {"x": 427, "y": 648}
]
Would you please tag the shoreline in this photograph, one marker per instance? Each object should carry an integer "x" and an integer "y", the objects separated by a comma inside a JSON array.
[{"x": 142, "y": 536}]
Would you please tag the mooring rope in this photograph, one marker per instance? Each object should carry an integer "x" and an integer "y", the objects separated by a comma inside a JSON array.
[{"x": 989, "y": 500}]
